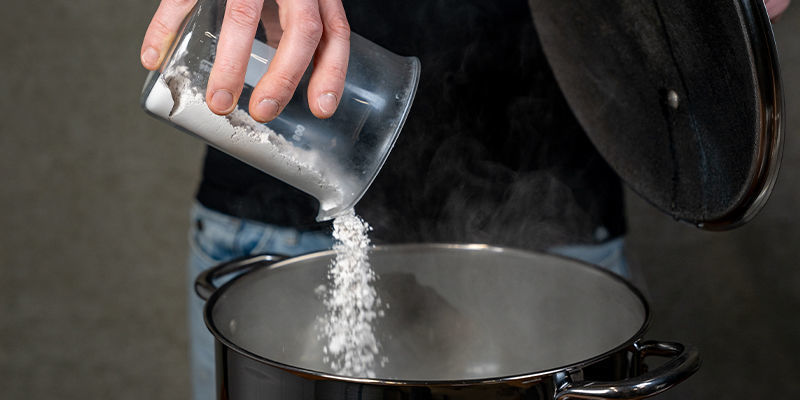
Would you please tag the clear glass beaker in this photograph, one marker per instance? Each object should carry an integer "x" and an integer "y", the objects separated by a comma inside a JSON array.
[{"x": 335, "y": 159}]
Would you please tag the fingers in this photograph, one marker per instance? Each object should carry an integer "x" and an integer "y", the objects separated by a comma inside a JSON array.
[
  {"x": 272, "y": 26},
  {"x": 163, "y": 27},
  {"x": 233, "y": 52},
  {"x": 302, "y": 30},
  {"x": 330, "y": 61}
]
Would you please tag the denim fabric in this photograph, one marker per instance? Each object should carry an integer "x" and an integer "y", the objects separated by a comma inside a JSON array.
[
  {"x": 216, "y": 238},
  {"x": 609, "y": 255}
]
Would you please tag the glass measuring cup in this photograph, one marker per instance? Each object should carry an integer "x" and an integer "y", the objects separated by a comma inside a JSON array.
[{"x": 335, "y": 159}]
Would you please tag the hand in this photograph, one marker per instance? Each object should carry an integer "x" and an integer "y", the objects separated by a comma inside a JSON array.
[
  {"x": 776, "y": 7},
  {"x": 302, "y": 29}
]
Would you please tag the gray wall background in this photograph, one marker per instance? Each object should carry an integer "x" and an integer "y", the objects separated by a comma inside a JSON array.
[{"x": 95, "y": 199}]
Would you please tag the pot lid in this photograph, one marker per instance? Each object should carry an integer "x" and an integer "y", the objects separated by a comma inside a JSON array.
[{"x": 682, "y": 98}]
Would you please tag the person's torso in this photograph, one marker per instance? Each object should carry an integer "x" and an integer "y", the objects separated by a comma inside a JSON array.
[{"x": 490, "y": 151}]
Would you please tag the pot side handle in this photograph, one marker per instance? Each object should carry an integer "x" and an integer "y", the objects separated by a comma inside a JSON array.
[
  {"x": 204, "y": 285},
  {"x": 685, "y": 362}
]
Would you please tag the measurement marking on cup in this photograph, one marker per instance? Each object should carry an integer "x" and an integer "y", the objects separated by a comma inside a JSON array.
[
  {"x": 363, "y": 119},
  {"x": 259, "y": 58},
  {"x": 298, "y": 133}
]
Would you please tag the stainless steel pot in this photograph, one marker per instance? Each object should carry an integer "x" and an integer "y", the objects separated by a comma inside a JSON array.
[{"x": 465, "y": 322}]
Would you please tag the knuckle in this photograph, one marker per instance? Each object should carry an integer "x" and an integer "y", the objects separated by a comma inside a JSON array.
[
  {"x": 229, "y": 67},
  {"x": 338, "y": 27},
  {"x": 244, "y": 13},
  {"x": 160, "y": 28},
  {"x": 285, "y": 85},
  {"x": 336, "y": 71},
  {"x": 310, "y": 27}
]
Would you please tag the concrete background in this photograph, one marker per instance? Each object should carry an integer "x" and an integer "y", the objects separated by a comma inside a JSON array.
[{"x": 95, "y": 199}]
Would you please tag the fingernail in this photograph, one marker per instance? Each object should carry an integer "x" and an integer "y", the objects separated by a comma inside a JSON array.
[
  {"x": 266, "y": 110},
  {"x": 221, "y": 101},
  {"x": 150, "y": 57},
  {"x": 327, "y": 103}
]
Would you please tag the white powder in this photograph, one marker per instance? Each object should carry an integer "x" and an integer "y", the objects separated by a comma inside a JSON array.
[
  {"x": 351, "y": 302},
  {"x": 176, "y": 98}
]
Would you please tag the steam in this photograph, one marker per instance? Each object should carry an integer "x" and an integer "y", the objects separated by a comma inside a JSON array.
[{"x": 491, "y": 152}]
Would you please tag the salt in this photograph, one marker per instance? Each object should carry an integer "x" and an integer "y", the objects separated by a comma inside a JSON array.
[
  {"x": 174, "y": 97},
  {"x": 351, "y": 302},
  {"x": 352, "y": 305}
]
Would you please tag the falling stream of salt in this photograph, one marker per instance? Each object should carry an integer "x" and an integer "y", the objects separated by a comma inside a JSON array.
[{"x": 352, "y": 304}]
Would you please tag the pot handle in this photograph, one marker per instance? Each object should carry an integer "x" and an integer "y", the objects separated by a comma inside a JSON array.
[
  {"x": 685, "y": 362},
  {"x": 204, "y": 285}
]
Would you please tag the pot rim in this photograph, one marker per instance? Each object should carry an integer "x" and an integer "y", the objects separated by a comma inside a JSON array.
[{"x": 527, "y": 376}]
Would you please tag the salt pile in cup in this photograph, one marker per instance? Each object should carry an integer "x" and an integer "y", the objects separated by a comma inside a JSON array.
[
  {"x": 351, "y": 302},
  {"x": 176, "y": 98}
]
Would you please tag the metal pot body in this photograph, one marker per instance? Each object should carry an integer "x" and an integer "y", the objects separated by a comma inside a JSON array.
[{"x": 465, "y": 322}]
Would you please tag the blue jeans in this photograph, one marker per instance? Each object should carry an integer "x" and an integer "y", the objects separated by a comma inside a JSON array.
[
  {"x": 215, "y": 238},
  {"x": 609, "y": 255}
]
